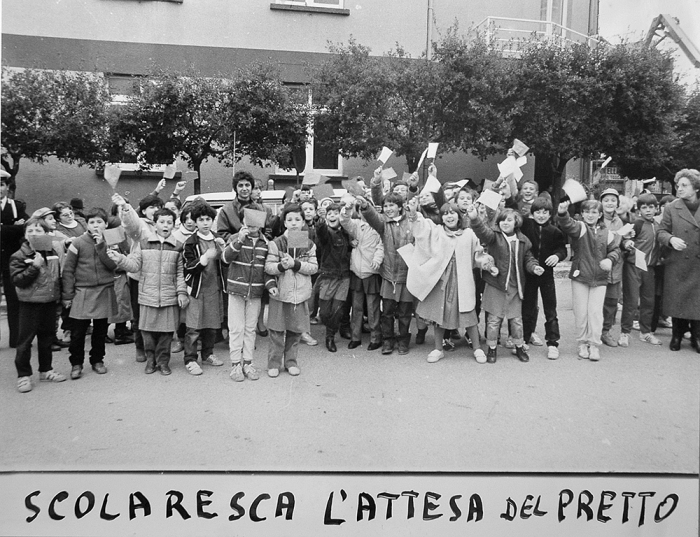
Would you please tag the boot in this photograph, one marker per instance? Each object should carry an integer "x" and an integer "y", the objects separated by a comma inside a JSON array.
[
  {"x": 695, "y": 331},
  {"x": 420, "y": 336},
  {"x": 676, "y": 335},
  {"x": 330, "y": 344},
  {"x": 150, "y": 365}
]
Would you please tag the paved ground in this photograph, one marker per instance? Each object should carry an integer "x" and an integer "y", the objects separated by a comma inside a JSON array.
[{"x": 637, "y": 410}]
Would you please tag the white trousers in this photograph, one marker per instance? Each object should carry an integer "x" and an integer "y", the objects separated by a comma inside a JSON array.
[
  {"x": 588, "y": 312},
  {"x": 242, "y": 321}
]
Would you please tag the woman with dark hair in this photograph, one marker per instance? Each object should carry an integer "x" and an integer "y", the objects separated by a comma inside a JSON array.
[{"x": 679, "y": 232}]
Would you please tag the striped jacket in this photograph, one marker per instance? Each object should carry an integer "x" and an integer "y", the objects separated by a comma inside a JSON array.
[
  {"x": 246, "y": 271},
  {"x": 194, "y": 269}
]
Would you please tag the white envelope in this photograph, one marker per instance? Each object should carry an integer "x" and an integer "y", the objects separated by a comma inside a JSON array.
[
  {"x": 640, "y": 260},
  {"x": 384, "y": 155},
  {"x": 490, "y": 198},
  {"x": 432, "y": 149}
]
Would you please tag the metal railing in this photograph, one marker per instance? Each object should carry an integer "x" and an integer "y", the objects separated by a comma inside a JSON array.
[{"x": 508, "y": 33}]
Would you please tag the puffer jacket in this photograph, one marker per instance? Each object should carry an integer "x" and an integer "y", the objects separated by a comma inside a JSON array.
[
  {"x": 589, "y": 245},
  {"x": 369, "y": 251},
  {"x": 294, "y": 284},
  {"x": 499, "y": 248},
  {"x": 615, "y": 275},
  {"x": 395, "y": 233},
  {"x": 136, "y": 229},
  {"x": 161, "y": 267},
  {"x": 86, "y": 265},
  {"x": 246, "y": 271},
  {"x": 39, "y": 285}
]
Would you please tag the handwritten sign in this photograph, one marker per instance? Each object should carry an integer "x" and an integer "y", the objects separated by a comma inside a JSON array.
[{"x": 392, "y": 505}]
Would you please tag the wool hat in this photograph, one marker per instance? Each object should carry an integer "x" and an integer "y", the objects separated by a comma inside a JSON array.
[{"x": 77, "y": 203}]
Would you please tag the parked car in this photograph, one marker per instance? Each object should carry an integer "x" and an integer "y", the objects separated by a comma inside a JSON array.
[{"x": 270, "y": 198}]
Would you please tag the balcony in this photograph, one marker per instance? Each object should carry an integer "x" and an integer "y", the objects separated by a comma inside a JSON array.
[{"x": 507, "y": 33}]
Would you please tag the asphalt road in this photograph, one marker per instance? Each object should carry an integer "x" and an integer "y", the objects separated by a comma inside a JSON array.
[{"x": 637, "y": 410}]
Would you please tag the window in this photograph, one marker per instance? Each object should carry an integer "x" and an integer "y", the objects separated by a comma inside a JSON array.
[
  {"x": 334, "y": 7},
  {"x": 320, "y": 157},
  {"x": 122, "y": 87}
]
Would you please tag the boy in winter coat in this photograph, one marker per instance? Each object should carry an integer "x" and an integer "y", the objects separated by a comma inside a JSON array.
[
  {"x": 333, "y": 250},
  {"x": 37, "y": 279},
  {"x": 549, "y": 248},
  {"x": 397, "y": 302},
  {"x": 365, "y": 283},
  {"x": 595, "y": 249},
  {"x": 204, "y": 278},
  {"x": 639, "y": 286},
  {"x": 88, "y": 290},
  {"x": 162, "y": 289},
  {"x": 288, "y": 316},
  {"x": 245, "y": 256}
]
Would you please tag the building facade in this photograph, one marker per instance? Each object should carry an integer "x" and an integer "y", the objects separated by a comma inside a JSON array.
[{"x": 124, "y": 38}]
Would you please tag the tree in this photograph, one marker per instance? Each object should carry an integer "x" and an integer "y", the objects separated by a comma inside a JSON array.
[
  {"x": 579, "y": 102},
  {"x": 366, "y": 102},
  {"x": 52, "y": 113},
  {"x": 195, "y": 118}
]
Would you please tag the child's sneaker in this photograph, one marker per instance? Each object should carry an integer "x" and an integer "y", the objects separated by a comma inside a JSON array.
[
  {"x": 294, "y": 371},
  {"x": 552, "y": 352},
  {"x": 177, "y": 346},
  {"x": 250, "y": 372},
  {"x": 193, "y": 368},
  {"x": 514, "y": 350},
  {"x": 480, "y": 356},
  {"x": 509, "y": 343},
  {"x": 624, "y": 340},
  {"x": 51, "y": 376},
  {"x": 583, "y": 351},
  {"x": 448, "y": 344},
  {"x": 314, "y": 320},
  {"x": 649, "y": 338},
  {"x": 308, "y": 340},
  {"x": 435, "y": 356},
  {"x": 608, "y": 340},
  {"x": 273, "y": 373},
  {"x": 635, "y": 325},
  {"x": 594, "y": 353},
  {"x": 237, "y": 372},
  {"x": 24, "y": 384},
  {"x": 212, "y": 360},
  {"x": 536, "y": 340}
]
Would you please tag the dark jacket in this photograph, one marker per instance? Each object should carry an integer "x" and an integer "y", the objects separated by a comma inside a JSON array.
[
  {"x": 194, "y": 269},
  {"x": 499, "y": 248},
  {"x": 333, "y": 251},
  {"x": 546, "y": 240},
  {"x": 37, "y": 284},
  {"x": 644, "y": 240},
  {"x": 589, "y": 246},
  {"x": 230, "y": 218}
]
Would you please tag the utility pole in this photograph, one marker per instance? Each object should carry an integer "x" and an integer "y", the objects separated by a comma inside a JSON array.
[{"x": 429, "y": 33}]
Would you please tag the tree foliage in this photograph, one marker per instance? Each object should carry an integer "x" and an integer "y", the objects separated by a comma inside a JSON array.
[
  {"x": 366, "y": 102},
  {"x": 195, "y": 118},
  {"x": 52, "y": 113}
]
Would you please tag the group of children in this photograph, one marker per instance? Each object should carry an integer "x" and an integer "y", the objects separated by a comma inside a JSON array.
[{"x": 369, "y": 263}]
